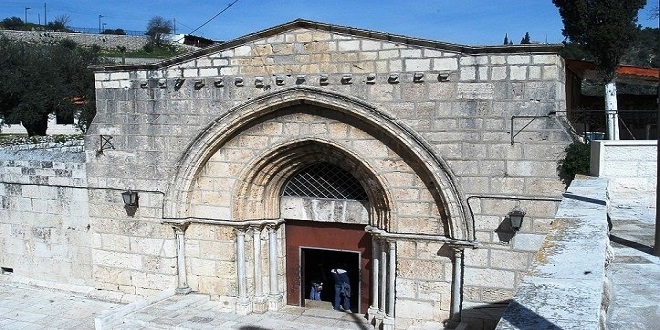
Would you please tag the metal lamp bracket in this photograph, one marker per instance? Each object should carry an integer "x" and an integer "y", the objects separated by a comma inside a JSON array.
[{"x": 105, "y": 144}]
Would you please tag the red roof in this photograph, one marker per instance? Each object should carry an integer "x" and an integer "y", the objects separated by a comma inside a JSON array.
[{"x": 588, "y": 70}]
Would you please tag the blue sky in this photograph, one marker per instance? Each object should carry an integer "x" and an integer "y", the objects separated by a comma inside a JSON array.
[{"x": 470, "y": 22}]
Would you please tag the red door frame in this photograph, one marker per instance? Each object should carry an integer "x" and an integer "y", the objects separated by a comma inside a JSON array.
[{"x": 326, "y": 235}]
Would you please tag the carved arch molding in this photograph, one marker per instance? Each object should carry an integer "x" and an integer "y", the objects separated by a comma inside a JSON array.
[{"x": 260, "y": 182}]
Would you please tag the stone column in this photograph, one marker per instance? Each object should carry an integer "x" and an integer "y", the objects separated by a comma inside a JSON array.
[
  {"x": 383, "y": 279},
  {"x": 275, "y": 297},
  {"x": 243, "y": 306},
  {"x": 259, "y": 303},
  {"x": 456, "y": 289},
  {"x": 374, "y": 306},
  {"x": 388, "y": 321},
  {"x": 182, "y": 278}
]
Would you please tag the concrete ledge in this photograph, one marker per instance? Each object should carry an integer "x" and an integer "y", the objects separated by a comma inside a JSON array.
[
  {"x": 110, "y": 319},
  {"x": 567, "y": 286}
]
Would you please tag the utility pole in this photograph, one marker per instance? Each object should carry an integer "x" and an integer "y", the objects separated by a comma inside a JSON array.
[
  {"x": 26, "y": 9},
  {"x": 45, "y": 19},
  {"x": 100, "y": 16},
  {"x": 656, "y": 246}
]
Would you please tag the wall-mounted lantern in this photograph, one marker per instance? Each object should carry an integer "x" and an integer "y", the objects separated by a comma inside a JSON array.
[
  {"x": 130, "y": 202},
  {"x": 516, "y": 217}
]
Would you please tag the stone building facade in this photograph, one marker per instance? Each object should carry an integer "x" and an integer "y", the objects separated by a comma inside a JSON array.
[{"x": 443, "y": 139}]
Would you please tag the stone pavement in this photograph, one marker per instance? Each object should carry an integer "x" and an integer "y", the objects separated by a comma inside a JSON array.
[
  {"x": 28, "y": 307},
  {"x": 196, "y": 311},
  {"x": 634, "y": 273}
]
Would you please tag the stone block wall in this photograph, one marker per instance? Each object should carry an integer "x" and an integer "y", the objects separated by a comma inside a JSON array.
[
  {"x": 133, "y": 255},
  {"x": 45, "y": 231},
  {"x": 630, "y": 166}
]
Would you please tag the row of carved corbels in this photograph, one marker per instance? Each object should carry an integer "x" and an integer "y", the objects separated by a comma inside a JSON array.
[{"x": 281, "y": 80}]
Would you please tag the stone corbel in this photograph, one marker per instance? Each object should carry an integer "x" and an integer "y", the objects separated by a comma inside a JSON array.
[
  {"x": 259, "y": 82},
  {"x": 393, "y": 78},
  {"x": 371, "y": 78},
  {"x": 444, "y": 76},
  {"x": 324, "y": 80},
  {"x": 418, "y": 77},
  {"x": 347, "y": 79},
  {"x": 238, "y": 81},
  {"x": 178, "y": 83}
]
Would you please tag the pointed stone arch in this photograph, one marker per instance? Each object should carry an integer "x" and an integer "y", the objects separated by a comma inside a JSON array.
[
  {"x": 432, "y": 169},
  {"x": 261, "y": 183}
]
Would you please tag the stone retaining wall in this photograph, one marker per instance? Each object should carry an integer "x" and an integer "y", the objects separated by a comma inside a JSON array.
[
  {"x": 630, "y": 166},
  {"x": 44, "y": 222},
  {"x": 106, "y": 41}
]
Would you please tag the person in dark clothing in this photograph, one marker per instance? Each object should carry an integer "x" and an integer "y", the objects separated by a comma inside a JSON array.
[{"x": 342, "y": 288}]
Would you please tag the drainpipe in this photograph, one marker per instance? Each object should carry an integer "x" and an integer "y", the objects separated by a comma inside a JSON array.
[{"x": 656, "y": 246}]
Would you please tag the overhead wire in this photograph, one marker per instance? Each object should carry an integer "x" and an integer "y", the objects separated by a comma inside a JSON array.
[{"x": 214, "y": 17}]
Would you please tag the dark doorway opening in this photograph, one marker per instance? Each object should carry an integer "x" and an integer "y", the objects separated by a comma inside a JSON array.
[
  {"x": 316, "y": 264},
  {"x": 334, "y": 237}
]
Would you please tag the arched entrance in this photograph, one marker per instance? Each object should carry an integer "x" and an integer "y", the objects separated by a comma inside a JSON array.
[
  {"x": 236, "y": 169},
  {"x": 326, "y": 211}
]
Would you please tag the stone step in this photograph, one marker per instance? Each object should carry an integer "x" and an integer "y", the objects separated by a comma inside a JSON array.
[{"x": 165, "y": 314}]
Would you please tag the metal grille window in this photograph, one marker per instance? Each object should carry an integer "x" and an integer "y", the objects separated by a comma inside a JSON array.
[{"x": 324, "y": 180}]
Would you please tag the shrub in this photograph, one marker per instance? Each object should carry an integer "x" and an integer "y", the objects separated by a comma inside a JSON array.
[{"x": 577, "y": 160}]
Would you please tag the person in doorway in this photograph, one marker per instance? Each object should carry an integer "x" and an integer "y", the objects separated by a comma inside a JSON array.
[
  {"x": 315, "y": 291},
  {"x": 317, "y": 283},
  {"x": 342, "y": 288}
]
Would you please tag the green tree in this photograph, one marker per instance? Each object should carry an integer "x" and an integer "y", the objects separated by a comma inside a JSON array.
[
  {"x": 36, "y": 80},
  {"x": 506, "y": 39},
  {"x": 12, "y": 23},
  {"x": 644, "y": 51},
  {"x": 157, "y": 28},
  {"x": 526, "y": 39},
  {"x": 606, "y": 29}
]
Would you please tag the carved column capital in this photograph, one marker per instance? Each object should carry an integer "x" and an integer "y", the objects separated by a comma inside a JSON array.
[{"x": 180, "y": 227}]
